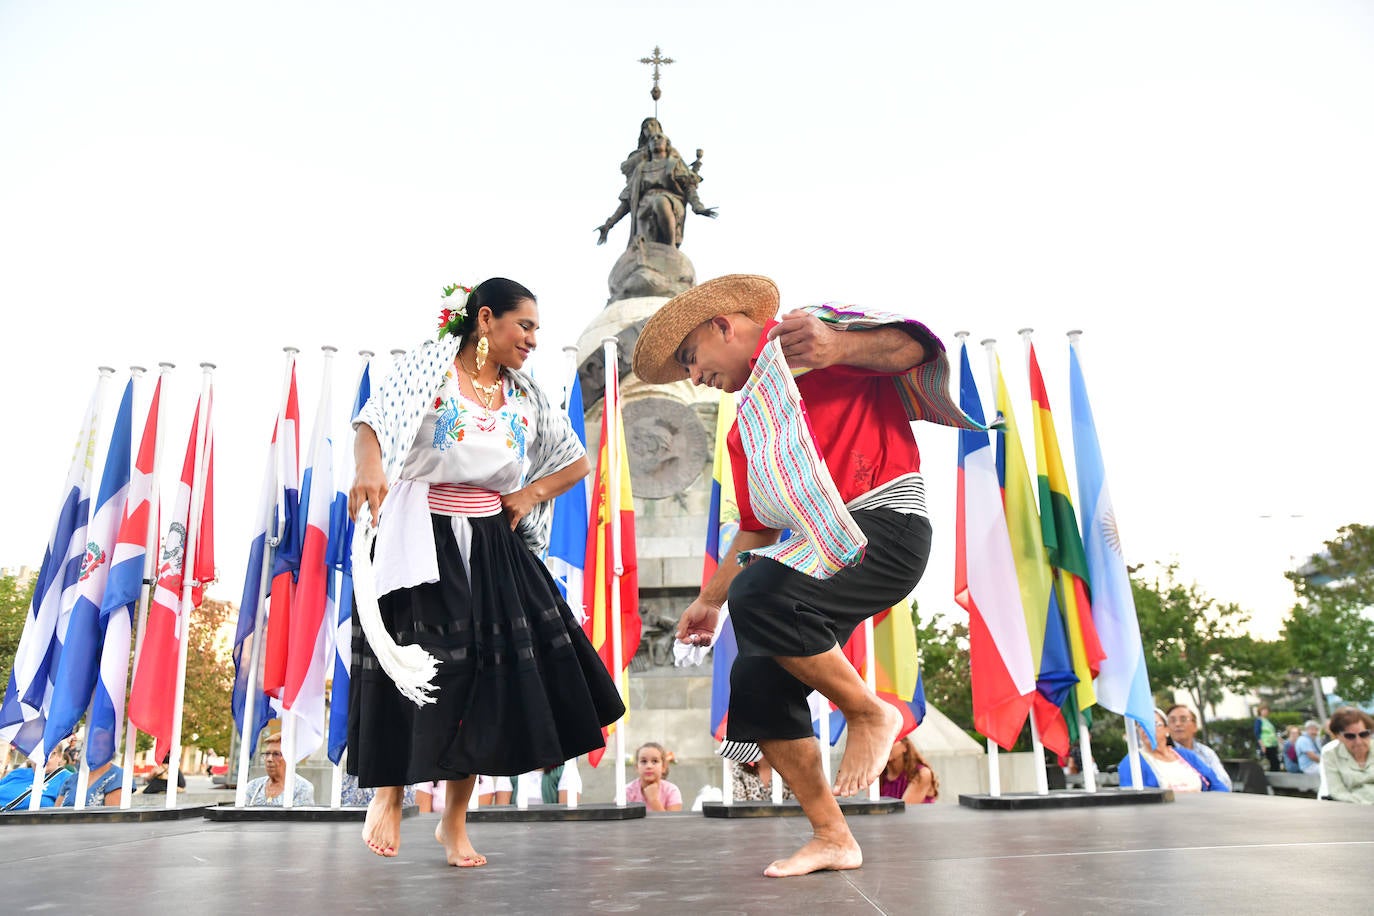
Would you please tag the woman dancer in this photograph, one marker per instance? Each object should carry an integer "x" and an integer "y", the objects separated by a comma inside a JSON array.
[{"x": 461, "y": 454}]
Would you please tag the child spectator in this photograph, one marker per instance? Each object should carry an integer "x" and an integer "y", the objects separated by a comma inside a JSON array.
[
  {"x": 908, "y": 776},
  {"x": 652, "y": 787},
  {"x": 754, "y": 782}
]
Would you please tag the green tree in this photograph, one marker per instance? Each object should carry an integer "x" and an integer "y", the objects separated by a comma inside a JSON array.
[
  {"x": 943, "y": 642},
  {"x": 15, "y": 598},
  {"x": 1328, "y": 632},
  {"x": 206, "y": 716},
  {"x": 1196, "y": 644}
]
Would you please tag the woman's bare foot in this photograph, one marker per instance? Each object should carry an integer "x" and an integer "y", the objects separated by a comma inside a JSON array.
[
  {"x": 818, "y": 855},
  {"x": 382, "y": 829},
  {"x": 866, "y": 748},
  {"x": 459, "y": 849}
]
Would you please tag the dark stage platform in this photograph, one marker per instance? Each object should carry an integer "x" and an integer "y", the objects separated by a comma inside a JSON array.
[{"x": 1202, "y": 854}]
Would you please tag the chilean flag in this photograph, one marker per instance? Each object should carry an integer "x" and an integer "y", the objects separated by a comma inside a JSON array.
[
  {"x": 308, "y": 640},
  {"x": 153, "y": 695},
  {"x": 123, "y": 588},
  {"x": 80, "y": 662},
  {"x": 985, "y": 583},
  {"x": 288, "y": 552}
]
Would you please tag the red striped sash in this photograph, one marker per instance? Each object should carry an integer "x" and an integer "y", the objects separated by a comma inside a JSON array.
[{"x": 463, "y": 499}]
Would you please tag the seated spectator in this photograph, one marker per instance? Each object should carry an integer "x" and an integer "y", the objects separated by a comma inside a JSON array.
[
  {"x": 1309, "y": 747},
  {"x": 351, "y": 795},
  {"x": 652, "y": 787},
  {"x": 1346, "y": 761},
  {"x": 17, "y": 785},
  {"x": 908, "y": 776},
  {"x": 490, "y": 790},
  {"x": 157, "y": 783},
  {"x": 270, "y": 790},
  {"x": 1289, "y": 752},
  {"x": 1169, "y": 767},
  {"x": 1183, "y": 729},
  {"x": 104, "y": 787},
  {"x": 754, "y": 782}
]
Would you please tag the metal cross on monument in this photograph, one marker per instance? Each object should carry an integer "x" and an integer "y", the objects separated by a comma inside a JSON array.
[{"x": 656, "y": 61}]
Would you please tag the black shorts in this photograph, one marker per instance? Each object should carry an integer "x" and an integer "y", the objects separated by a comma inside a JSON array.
[{"x": 777, "y": 611}]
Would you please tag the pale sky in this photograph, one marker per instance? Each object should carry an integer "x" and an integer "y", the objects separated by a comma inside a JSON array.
[{"x": 1187, "y": 182}]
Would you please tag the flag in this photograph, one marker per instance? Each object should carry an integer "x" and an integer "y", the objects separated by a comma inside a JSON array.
[
  {"x": 341, "y": 559},
  {"x": 1064, "y": 546},
  {"x": 723, "y": 653},
  {"x": 79, "y": 665},
  {"x": 1123, "y": 683},
  {"x": 897, "y": 671},
  {"x": 24, "y": 710},
  {"x": 123, "y": 588},
  {"x": 259, "y": 554},
  {"x": 152, "y": 697},
  {"x": 287, "y": 557},
  {"x": 985, "y": 583},
  {"x": 568, "y": 540},
  {"x": 307, "y": 647},
  {"x": 600, "y": 560},
  {"x": 1049, "y": 644},
  {"x": 722, "y": 523}
]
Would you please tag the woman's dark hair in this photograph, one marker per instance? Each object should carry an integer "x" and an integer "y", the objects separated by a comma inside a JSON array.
[{"x": 498, "y": 294}]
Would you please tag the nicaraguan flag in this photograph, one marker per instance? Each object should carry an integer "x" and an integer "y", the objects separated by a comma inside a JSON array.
[
  {"x": 1123, "y": 684},
  {"x": 568, "y": 539},
  {"x": 80, "y": 663},
  {"x": 24, "y": 710}
]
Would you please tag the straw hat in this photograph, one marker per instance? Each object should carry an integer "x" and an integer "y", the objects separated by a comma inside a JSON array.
[{"x": 654, "y": 362}]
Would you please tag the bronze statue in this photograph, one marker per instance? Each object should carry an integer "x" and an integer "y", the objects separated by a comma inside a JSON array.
[{"x": 658, "y": 189}]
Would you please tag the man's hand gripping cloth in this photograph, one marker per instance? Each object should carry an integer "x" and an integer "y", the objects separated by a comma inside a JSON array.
[{"x": 394, "y": 412}]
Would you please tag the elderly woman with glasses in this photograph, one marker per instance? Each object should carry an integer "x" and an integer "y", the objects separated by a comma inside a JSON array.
[
  {"x": 1345, "y": 761},
  {"x": 268, "y": 790}
]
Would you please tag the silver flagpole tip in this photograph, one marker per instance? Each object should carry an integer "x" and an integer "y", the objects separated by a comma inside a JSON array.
[
  {"x": 290, "y": 351},
  {"x": 1074, "y": 334},
  {"x": 207, "y": 366},
  {"x": 1025, "y": 331},
  {"x": 962, "y": 335},
  {"x": 167, "y": 367},
  {"x": 366, "y": 354},
  {"x": 106, "y": 370},
  {"x": 138, "y": 370},
  {"x": 610, "y": 338},
  {"x": 398, "y": 352},
  {"x": 330, "y": 350},
  {"x": 989, "y": 342}
]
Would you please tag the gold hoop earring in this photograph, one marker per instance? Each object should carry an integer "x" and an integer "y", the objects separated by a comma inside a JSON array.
[{"x": 483, "y": 347}]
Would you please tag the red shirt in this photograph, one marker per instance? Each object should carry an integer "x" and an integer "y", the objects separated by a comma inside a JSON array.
[{"x": 861, "y": 429}]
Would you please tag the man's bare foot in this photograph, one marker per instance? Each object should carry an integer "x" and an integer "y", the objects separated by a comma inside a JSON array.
[
  {"x": 459, "y": 851},
  {"x": 867, "y": 748},
  {"x": 382, "y": 828},
  {"x": 818, "y": 855}
]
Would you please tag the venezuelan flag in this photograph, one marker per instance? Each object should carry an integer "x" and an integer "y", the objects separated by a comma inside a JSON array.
[
  {"x": 1064, "y": 546},
  {"x": 599, "y": 581},
  {"x": 1054, "y": 674}
]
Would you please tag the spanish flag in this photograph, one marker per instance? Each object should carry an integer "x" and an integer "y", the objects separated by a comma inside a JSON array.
[{"x": 599, "y": 582}]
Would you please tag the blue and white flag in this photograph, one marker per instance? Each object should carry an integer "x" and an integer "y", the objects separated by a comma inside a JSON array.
[
  {"x": 123, "y": 588},
  {"x": 568, "y": 540},
  {"x": 1123, "y": 684},
  {"x": 341, "y": 559},
  {"x": 259, "y": 554},
  {"x": 79, "y": 665},
  {"x": 24, "y": 710}
]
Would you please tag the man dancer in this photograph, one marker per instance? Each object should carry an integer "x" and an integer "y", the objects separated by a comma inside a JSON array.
[{"x": 861, "y": 390}]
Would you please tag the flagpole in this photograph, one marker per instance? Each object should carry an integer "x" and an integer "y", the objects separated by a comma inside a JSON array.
[
  {"x": 288, "y": 748},
  {"x": 1042, "y": 783},
  {"x": 825, "y": 737},
  {"x": 252, "y": 691},
  {"x": 727, "y": 784},
  {"x": 570, "y": 355},
  {"x": 1085, "y": 753},
  {"x": 188, "y": 580},
  {"x": 1133, "y": 755},
  {"x": 126, "y": 794},
  {"x": 871, "y": 680},
  {"x": 994, "y": 769},
  {"x": 612, "y": 445}
]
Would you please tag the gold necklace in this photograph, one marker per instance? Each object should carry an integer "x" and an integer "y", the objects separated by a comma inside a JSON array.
[{"x": 486, "y": 392}]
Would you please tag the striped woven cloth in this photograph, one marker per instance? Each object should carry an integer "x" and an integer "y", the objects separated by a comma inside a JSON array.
[{"x": 789, "y": 484}]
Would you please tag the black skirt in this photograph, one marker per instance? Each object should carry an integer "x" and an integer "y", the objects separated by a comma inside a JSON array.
[{"x": 519, "y": 685}]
